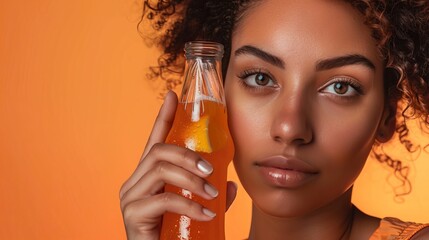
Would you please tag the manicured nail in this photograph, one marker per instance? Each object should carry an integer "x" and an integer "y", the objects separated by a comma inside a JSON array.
[
  {"x": 210, "y": 190},
  {"x": 209, "y": 213},
  {"x": 204, "y": 167}
]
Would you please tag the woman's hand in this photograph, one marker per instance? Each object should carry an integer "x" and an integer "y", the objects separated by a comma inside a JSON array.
[{"x": 143, "y": 201}]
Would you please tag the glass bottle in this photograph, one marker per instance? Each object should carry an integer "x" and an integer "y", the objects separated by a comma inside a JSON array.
[{"x": 201, "y": 125}]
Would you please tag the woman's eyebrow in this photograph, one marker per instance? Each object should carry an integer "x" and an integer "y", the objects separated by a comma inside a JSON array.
[
  {"x": 345, "y": 60},
  {"x": 267, "y": 57},
  {"x": 324, "y": 64}
]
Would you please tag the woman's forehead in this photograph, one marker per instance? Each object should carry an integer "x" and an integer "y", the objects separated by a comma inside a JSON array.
[{"x": 325, "y": 27}]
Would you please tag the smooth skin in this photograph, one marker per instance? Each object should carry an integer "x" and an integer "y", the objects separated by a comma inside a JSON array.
[
  {"x": 294, "y": 110},
  {"x": 304, "y": 82}
]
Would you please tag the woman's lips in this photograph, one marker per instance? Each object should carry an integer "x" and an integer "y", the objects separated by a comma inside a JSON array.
[{"x": 286, "y": 172}]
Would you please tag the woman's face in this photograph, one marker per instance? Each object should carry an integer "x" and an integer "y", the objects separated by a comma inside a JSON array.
[{"x": 304, "y": 90}]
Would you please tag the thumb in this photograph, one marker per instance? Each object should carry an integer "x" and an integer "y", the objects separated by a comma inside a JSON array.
[
  {"x": 163, "y": 122},
  {"x": 231, "y": 193}
]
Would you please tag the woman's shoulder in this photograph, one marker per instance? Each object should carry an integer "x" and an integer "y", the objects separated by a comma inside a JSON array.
[{"x": 394, "y": 228}]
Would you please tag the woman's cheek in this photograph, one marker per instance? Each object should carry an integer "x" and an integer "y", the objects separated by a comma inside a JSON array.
[
  {"x": 245, "y": 126},
  {"x": 348, "y": 137}
]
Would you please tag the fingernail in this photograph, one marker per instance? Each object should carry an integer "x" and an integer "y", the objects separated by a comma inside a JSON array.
[
  {"x": 204, "y": 167},
  {"x": 209, "y": 213},
  {"x": 210, "y": 190}
]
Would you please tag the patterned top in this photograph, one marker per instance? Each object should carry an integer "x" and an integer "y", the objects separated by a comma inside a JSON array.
[{"x": 395, "y": 229}]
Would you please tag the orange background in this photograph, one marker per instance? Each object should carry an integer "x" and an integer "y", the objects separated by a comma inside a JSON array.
[{"x": 75, "y": 113}]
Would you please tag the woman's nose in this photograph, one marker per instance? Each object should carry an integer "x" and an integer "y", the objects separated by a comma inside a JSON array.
[{"x": 291, "y": 124}]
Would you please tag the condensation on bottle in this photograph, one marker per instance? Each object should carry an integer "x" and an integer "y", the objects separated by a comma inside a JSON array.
[{"x": 201, "y": 125}]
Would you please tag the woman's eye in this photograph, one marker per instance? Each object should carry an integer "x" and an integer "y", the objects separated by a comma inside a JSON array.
[
  {"x": 258, "y": 80},
  {"x": 342, "y": 89}
]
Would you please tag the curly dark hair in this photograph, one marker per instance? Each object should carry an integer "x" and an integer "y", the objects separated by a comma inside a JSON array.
[{"x": 400, "y": 28}]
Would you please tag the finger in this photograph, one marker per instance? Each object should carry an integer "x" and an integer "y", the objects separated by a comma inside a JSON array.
[
  {"x": 178, "y": 156},
  {"x": 231, "y": 193},
  {"x": 151, "y": 209},
  {"x": 163, "y": 122},
  {"x": 164, "y": 172}
]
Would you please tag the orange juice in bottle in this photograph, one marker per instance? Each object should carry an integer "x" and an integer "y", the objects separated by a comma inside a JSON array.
[{"x": 201, "y": 125}]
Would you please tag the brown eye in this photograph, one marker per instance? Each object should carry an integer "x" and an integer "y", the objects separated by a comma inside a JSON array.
[
  {"x": 257, "y": 80},
  {"x": 343, "y": 87},
  {"x": 340, "y": 88},
  {"x": 262, "y": 79}
]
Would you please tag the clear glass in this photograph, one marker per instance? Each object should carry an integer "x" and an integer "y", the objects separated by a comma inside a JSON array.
[
  {"x": 201, "y": 125},
  {"x": 203, "y": 76}
]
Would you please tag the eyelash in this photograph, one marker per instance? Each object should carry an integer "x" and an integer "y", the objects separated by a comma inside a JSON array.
[
  {"x": 345, "y": 80},
  {"x": 247, "y": 73}
]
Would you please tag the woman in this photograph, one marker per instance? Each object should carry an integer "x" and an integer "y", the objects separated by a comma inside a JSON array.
[{"x": 313, "y": 84}]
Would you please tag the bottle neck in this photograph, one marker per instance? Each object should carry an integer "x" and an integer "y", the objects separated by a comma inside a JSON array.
[
  {"x": 203, "y": 49},
  {"x": 203, "y": 73}
]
